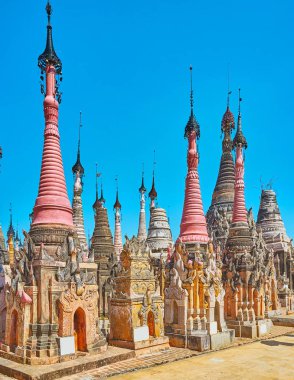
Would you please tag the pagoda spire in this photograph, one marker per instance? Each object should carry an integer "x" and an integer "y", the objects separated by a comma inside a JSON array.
[
  {"x": 239, "y": 143},
  {"x": 142, "y": 232},
  {"x": 118, "y": 246},
  {"x": 97, "y": 175},
  {"x": 193, "y": 225},
  {"x": 78, "y": 167},
  {"x": 52, "y": 205},
  {"x": 152, "y": 193},
  {"x": 77, "y": 204},
  {"x": 102, "y": 200},
  {"x": 10, "y": 232},
  {"x": 223, "y": 195}
]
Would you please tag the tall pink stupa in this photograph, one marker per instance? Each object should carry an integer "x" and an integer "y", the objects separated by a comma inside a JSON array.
[
  {"x": 52, "y": 205},
  {"x": 193, "y": 228}
]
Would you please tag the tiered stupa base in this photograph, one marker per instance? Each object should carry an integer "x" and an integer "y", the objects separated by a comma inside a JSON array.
[
  {"x": 55, "y": 307},
  {"x": 131, "y": 337},
  {"x": 201, "y": 340},
  {"x": 143, "y": 347},
  {"x": 250, "y": 329}
]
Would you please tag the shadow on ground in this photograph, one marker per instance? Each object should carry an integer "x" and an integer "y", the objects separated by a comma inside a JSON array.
[{"x": 276, "y": 343}]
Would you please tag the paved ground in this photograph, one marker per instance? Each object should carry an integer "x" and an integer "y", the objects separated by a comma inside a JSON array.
[
  {"x": 266, "y": 359},
  {"x": 270, "y": 359}
]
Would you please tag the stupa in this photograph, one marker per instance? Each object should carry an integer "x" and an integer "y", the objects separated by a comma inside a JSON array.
[
  {"x": 219, "y": 215},
  {"x": 118, "y": 246},
  {"x": 159, "y": 236},
  {"x": 52, "y": 302},
  {"x": 104, "y": 256},
  {"x": 274, "y": 233},
  {"x": 77, "y": 204},
  {"x": 142, "y": 233},
  {"x": 248, "y": 266},
  {"x": 193, "y": 229}
]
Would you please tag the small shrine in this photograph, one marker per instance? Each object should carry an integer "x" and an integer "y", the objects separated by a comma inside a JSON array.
[
  {"x": 136, "y": 308},
  {"x": 194, "y": 300}
]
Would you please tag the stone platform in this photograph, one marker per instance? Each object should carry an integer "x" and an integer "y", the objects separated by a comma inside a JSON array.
[
  {"x": 83, "y": 363},
  {"x": 284, "y": 320},
  {"x": 251, "y": 330},
  {"x": 202, "y": 341},
  {"x": 143, "y": 347}
]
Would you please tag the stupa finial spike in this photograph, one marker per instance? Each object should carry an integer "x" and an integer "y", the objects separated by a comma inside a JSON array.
[
  {"x": 49, "y": 56},
  {"x": 80, "y": 126},
  {"x": 191, "y": 88},
  {"x": 78, "y": 167},
  {"x": 49, "y": 11},
  {"x": 153, "y": 193},
  {"x": 10, "y": 213},
  {"x": 229, "y": 90},
  {"x": 154, "y": 162},
  {"x": 10, "y": 231},
  {"x": 240, "y": 100},
  {"x": 117, "y": 205},
  {"x": 96, "y": 177},
  {"x": 142, "y": 188}
]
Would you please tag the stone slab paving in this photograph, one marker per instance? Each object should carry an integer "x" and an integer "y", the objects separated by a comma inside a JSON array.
[
  {"x": 175, "y": 354},
  {"x": 270, "y": 359}
]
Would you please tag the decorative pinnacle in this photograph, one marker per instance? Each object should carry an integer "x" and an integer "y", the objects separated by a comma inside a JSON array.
[
  {"x": 229, "y": 91},
  {"x": 117, "y": 205},
  {"x": 142, "y": 188},
  {"x": 240, "y": 100},
  {"x": 239, "y": 139},
  {"x": 49, "y": 11},
  {"x": 191, "y": 88},
  {"x": 78, "y": 167},
  {"x": 49, "y": 57},
  {"x": 97, "y": 175},
  {"x": 192, "y": 124},
  {"x": 10, "y": 229},
  {"x": 101, "y": 199}
]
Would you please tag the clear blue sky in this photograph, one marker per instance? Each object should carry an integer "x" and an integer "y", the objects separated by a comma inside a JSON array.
[{"x": 125, "y": 65}]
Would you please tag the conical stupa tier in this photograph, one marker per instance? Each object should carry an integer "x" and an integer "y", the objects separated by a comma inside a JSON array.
[
  {"x": 224, "y": 189},
  {"x": 239, "y": 237},
  {"x": 193, "y": 225},
  {"x": 52, "y": 204},
  {"x": 219, "y": 215},
  {"x": 102, "y": 242},
  {"x": 159, "y": 237},
  {"x": 270, "y": 220}
]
